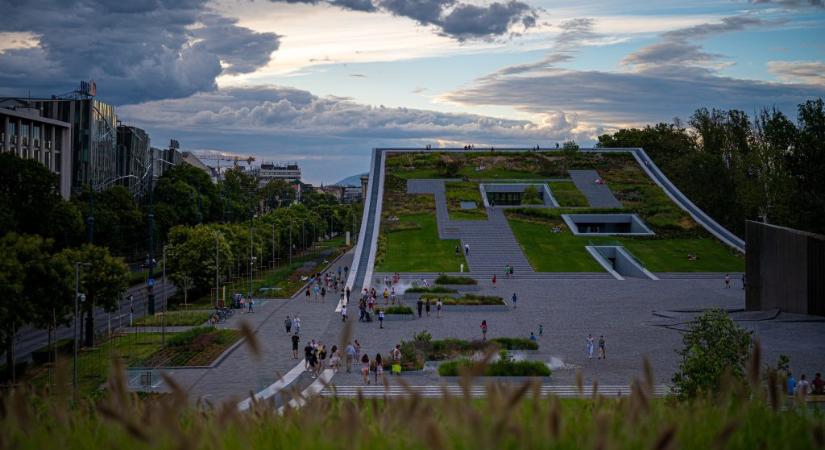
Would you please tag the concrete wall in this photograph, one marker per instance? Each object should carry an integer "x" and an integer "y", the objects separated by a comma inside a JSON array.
[{"x": 785, "y": 269}]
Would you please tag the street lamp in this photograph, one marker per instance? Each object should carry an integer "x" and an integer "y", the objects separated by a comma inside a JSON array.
[{"x": 78, "y": 298}]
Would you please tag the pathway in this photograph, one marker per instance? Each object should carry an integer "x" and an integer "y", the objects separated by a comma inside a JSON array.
[{"x": 598, "y": 195}]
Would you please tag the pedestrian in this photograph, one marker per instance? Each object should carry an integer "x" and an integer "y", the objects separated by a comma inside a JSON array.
[
  {"x": 484, "y": 330},
  {"x": 507, "y": 270},
  {"x": 511, "y": 271},
  {"x": 344, "y": 313},
  {"x": 386, "y": 297},
  {"x": 515, "y": 299},
  {"x": 438, "y": 305},
  {"x": 727, "y": 281},
  {"x": 295, "y": 339},
  {"x": 590, "y": 346},
  {"x": 392, "y": 296},
  {"x": 365, "y": 368},
  {"x": 494, "y": 280},
  {"x": 457, "y": 250},
  {"x": 357, "y": 349},
  {"x": 335, "y": 358},
  {"x": 307, "y": 293},
  {"x": 818, "y": 384},
  {"x": 379, "y": 368},
  {"x": 350, "y": 351},
  {"x": 381, "y": 318},
  {"x": 803, "y": 387},
  {"x": 288, "y": 324},
  {"x": 744, "y": 282},
  {"x": 322, "y": 358},
  {"x": 396, "y": 360},
  {"x": 296, "y": 324},
  {"x": 323, "y": 293},
  {"x": 467, "y": 249},
  {"x": 791, "y": 384},
  {"x": 602, "y": 354},
  {"x": 251, "y": 303},
  {"x": 420, "y": 306},
  {"x": 427, "y": 307},
  {"x": 307, "y": 353},
  {"x": 313, "y": 362},
  {"x": 541, "y": 330},
  {"x": 532, "y": 337}
]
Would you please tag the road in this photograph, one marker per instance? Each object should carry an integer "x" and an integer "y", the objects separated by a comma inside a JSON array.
[{"x": 30, "y": 339}]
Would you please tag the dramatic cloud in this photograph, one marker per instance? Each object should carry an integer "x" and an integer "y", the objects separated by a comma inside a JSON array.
[
  {"x": 678, "y": 47},
  {"x": 329, "y": 136},
  {"x": 668, "y": 79},
  {"x": 810, "y": 72},
  {"x": 792, "y": 3},
  {"x": 573, "y": 34},
  {"x": 135, "y": 50},
  {"x": 457, "y": 20}
]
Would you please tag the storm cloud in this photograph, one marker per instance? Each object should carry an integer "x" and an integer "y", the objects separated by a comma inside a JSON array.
[{"x": 135, "y": 51}]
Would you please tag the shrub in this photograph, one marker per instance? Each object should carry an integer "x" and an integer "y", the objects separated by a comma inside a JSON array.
[
  {"x": 504, "y": 367},
  {"x": 509, "y": 343},
  {"x": 477, "y": 300},
  {"x": 398, "y": 310},
  {"x": 447, "y": 279},
  {"x": 715, "y": 347},
  {"x": 434, "y": 290}
]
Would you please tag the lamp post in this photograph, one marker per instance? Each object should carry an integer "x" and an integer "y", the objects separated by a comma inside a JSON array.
[
  {"x": 290, "y": 242},
  {"x": 273, "y": 244},
  {"x": 78, "y": 298},
  {"x": 163, "y": 318},
  {"x": 217, "y": 269},
  {"x": 251, "y": 255}
]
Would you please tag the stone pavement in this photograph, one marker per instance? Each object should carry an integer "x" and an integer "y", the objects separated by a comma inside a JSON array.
[
  {"x": 240, "y": 372},
  {"x": 598, "y": 195}
]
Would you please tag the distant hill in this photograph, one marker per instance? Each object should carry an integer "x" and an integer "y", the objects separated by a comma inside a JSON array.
[{"x": 354, "y": 180}]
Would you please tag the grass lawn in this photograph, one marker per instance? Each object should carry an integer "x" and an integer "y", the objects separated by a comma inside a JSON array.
[
  {"x": 564, "y": 252},
  {"x": 464, "y": 191},
  {"x": 176, "y": 318},
  {"x": 553, "y": 252},
  {"x": 417, "y": 249},
  {"x": 93, "y": 364},
  {"x": 567, "y": 194}
]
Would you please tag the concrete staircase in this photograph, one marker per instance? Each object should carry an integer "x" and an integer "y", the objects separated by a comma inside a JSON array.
[{"x": 492, "y": 245}]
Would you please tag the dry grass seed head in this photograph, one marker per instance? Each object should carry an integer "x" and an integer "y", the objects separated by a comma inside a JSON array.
[
  {"x": 774, "y": 390},
  {"x": 554, "y": 418},
  {"x": 579, "y": 382},
  {"x": 666, "y": 439},
  {"x": 251, "y": 339},
  {"x": 818, "y": 435},
  {"x": 724, "y": 435},
  {"x": 754, "y": 364},
  {"x": 650, "y": 381}
]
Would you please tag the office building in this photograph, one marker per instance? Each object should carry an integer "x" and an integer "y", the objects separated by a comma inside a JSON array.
[
  {"x": 133, "y": 158},
  {"x": 27, "y": 134},
  {"x": 270, "y": 171}
]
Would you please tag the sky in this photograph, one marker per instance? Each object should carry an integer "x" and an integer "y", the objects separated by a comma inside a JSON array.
[{"x": 322, "y": 82}]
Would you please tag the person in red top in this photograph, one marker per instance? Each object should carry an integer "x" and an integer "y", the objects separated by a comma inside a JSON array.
[
  {"x": 483, "y": 330},
  {"x": 818, "y": 385},
  {"x": 494, "y": 280}
]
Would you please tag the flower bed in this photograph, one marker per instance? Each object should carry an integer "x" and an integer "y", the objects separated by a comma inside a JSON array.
[
  {"x": 447, "y": 279},
  {"x": 466, "y": 300},
  {"x": 196, "y": 347}
]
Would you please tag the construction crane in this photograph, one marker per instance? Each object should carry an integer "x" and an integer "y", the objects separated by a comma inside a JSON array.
[{"x": 218, "y": 157}]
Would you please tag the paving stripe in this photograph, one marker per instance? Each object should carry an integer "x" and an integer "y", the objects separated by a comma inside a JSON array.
[
  {"x": 477, "y": 391},
  {"x": 312, "y": 390},
  {"x": 275, "y": 387}
]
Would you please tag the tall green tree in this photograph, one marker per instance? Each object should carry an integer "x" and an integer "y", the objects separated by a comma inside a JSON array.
[
  {"x": 191, "y": 256},
  {"x": 30, "y": 202},
  {"x": 103, "y": 281},
  {"x": 714, "y": 347},
  {"x": 807, "y": 162}
]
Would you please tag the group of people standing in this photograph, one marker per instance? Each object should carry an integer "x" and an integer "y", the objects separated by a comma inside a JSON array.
[
  {"x": 321, "y": 285},
  {"x": 374, "y": 366},
  {"x": 591, "y": 344}
]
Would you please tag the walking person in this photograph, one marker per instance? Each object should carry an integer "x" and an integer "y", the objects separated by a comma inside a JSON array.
[
  {"x": 602, "y": 354},
  {"x": 427, "y": 307},
  {"x": 420, "y": 306},
  {"x": 296, "y": 324},
  {"x": 484, "y": 330},
  {"x": 591, "y": 343},
  {"x": 494, "y": 280},
  {"x": 744, "y": 282},
  {"x": 381, "y": 318},
  {"x": 727, "y": 281},
  {"x": 357, "y": 349},
  {"x": 344, "y": 313},
  {"x": 307, "y": 293},
  {"x": 515, "y": 300},
  {"x": 323, "y": 293},
  {"x": 350, "y": 357},
  {"x": 307, "y": 352},
  {"x": 365, "y": 368},
  {"x": 396, "y": 360},
  {"x": 438, "y": 305},
  {"x": 533, "y": 337},
  {"x": 251, "y": 303},
  {"x": 295, "y": 339},
  {"x": 467, "y": 249},
  {"x": 288, "y": 324},
  {"x": 379, "y": 368},
  {"x": 507, "y": 270},
  {"x": 541, "y": 329}
]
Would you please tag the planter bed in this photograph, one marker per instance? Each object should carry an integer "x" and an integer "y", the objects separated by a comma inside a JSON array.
[
  {"x": 453, "y": 280},
  {"x": 395, "y": 313},
  {"x": 196, "y": 347},
  {"x": 501, "y": 368}
]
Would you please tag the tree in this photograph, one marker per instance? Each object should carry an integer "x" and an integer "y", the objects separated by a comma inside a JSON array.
[
  {"x": 568, "y": 151},
  {"x": 277, "y": 194},
  {"x": 118, "y": 222},
  {"x": 103, "y": 281},
  {"x": 190, "y": 256},
  {"x": 530, "y": 196},
  {"x": 30, "y": 201},
  {"x": 448, "y": 166},
  {"x": 714, "y": 347}
]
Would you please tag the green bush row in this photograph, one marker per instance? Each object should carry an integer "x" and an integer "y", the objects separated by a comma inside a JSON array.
[
  {"x": 447, "y": 279},
  {"x": 501, "y": 368},
  {"x": 433, "y": 289}
]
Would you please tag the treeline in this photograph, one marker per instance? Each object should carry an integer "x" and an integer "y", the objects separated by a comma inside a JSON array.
[
  {"x": 49, "y": 247},
  {"x": 738, "y": 168}
]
